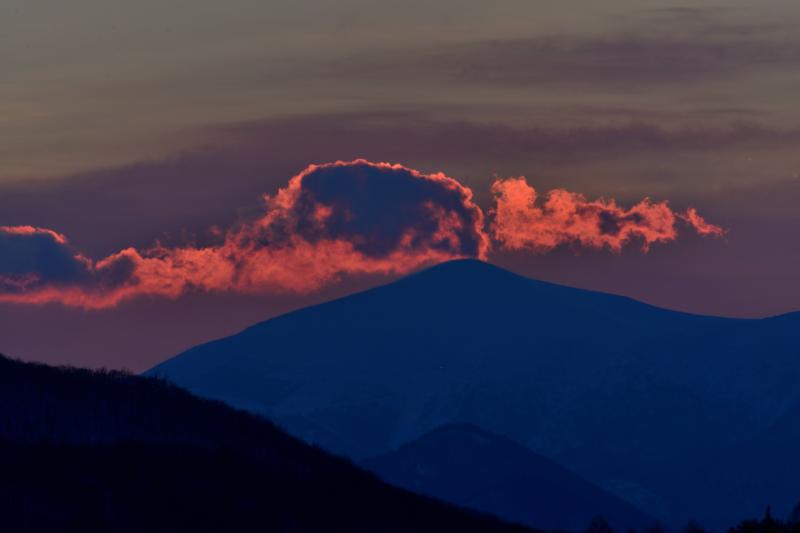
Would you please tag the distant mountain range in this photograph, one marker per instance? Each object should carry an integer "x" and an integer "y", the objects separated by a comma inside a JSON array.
[
  {"x": 474, "y": 468},
  {"x": 94, "y": 451},
  {"x": 686, "y": 417}
]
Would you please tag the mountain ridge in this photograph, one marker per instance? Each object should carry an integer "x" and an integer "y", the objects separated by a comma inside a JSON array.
[
  {"x": 471, "y": 262},
  {"x": 85, "y": 450},
  {"x": 589, "y": 379},
  {"x": 472, "y": 467}
]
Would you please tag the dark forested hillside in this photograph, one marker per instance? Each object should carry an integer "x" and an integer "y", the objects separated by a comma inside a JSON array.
[{"x": 87, "y": 451}]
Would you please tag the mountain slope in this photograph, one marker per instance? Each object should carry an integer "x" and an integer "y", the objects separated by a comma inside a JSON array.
[
  {"x": 93, "y": 451},
  {"x": 637, "y": 399},
  {"x": 474, "y": 468}
]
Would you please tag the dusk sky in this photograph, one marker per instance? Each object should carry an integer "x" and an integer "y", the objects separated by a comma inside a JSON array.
[{"x": 156, "y": 188}]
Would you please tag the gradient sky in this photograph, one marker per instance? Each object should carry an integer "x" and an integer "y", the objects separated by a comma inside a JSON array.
[{"x": 124, "y": 123}]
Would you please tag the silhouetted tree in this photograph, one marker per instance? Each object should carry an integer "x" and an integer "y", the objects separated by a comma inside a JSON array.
[
  {"x": 693, "y": 527},
  {"x": 794, "y": 518},
  {"x": 655, "y": 529},
  {"x": 599, "y": 525},
  {"x": 768, "y": 524}
]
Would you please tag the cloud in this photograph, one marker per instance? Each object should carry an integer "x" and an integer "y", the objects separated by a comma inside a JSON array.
[
  {"x": 669, "y": 47},
  {"x": 521, "y": 222},
  {"x": 699, "y": 224},
  {"x": 331, "y": 220},
  {"x": 30, "y": 254},
  {"x": 189, "y": 191},
  {"x": 631, "y": 57},
  {"x": 561, "y": 135},
  {"x": 38, "y": 265},
  {"x": 378, "y": 208}
]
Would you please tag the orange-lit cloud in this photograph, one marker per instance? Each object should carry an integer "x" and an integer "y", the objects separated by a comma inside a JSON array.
[
  {"x": 700, "y": 225},
  {"x": 523, "y": 221},
  {"x": 330, "y": 221},
  {"x": 343, "y": 218}
]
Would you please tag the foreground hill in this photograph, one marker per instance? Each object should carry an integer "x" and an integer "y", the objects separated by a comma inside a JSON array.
[
  {"x": 663, "y": 408},
  {"x": 474, "y": 468},
  {"x": 93, "y": 451}
]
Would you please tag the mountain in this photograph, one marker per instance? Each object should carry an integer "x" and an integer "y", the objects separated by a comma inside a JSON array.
[
  {"x": 470, "y": 467},
  {"x": 99, "y": 451},
  {"x": 659, "y": 407}
]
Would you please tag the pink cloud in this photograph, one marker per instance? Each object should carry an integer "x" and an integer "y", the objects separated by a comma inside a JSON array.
[
  {"x": 332, "y": 220},
  {"x": 521, "y": 220}
]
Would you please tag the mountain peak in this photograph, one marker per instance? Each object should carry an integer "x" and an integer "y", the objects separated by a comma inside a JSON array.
[
  {"x": 462, "y": 276},
  {"x": 567, "y": 372},
  {"x": 464, "y": 270}
]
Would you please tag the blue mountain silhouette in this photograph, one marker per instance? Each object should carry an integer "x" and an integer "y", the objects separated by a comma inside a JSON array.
[
  {"x": 671, "y": 411},
  {"x": 473, "y": 468}
]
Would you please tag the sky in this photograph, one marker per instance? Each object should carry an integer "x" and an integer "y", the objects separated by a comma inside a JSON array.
[{"x": 156, "y": 187}]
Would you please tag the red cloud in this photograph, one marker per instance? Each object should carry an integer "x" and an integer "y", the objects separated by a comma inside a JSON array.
[
  {"x": 521, "y": 222},
  {"x": 331, "y": 220},
  {"x": 31, "y": 230},
  {"x": 700, "y": 225}
]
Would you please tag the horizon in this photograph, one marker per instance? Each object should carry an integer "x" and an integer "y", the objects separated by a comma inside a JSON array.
[
  {"x": 333, "y": 229},
  {"x": 643, "y": 151}
]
